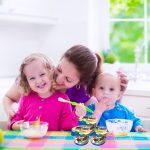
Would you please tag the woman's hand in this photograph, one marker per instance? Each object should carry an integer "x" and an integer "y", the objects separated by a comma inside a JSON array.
[
  {"x": 10, "y": 113},
  {"x": 16, "y": 125},
  {"x": 123, "y": 79},
  {"x": 11, "y": 96},
  {"x": 8, "y": 107},
  {"x": 12, "y": 110}
]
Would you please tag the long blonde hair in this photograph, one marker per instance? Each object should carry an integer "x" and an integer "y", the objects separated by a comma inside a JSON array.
[{"x": 23, "y": 83}]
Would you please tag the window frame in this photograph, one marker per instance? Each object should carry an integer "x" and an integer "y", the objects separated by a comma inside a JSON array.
[
  {"x": 99, "y": 32},
  {"x": 145, "y": 21}
]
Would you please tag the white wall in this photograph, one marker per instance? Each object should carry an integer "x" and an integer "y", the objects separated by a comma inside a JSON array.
[
  {"x": 5, "y": 84},
  {"x": 15, "y": 42},
  {"x": 19, "y": 39}
]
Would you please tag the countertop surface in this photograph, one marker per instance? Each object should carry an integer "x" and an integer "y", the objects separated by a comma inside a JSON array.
[
  {"x": 138, "y": 88},
  {"x": 13, "y": 140}
]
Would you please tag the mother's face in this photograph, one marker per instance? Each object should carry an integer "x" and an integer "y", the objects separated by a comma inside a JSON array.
[{"x": 66, "y": 74}]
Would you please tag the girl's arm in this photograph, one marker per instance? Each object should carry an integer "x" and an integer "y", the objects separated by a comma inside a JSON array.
[{"x": 11, "y": 96}]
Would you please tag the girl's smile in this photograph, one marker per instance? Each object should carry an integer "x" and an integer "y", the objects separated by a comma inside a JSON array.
[{"x": 38, "y": 78}]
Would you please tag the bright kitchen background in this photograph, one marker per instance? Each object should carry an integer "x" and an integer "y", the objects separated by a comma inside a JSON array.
[{"x": 53, "y": 26}]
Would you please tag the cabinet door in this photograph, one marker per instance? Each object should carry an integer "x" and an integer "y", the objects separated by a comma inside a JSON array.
[
  {"x": 4, "y": 6},
  {"x": 140, "y": 105},
  {"x": 39, "y": 8}
]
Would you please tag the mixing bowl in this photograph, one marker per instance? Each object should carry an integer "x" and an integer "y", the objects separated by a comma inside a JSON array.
[
  {"x": 120, "y": 126},
  {"x": 31, "y": 129}
]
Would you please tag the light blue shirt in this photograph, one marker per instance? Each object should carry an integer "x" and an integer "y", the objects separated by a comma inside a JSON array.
[{"x": 118, "y": 112}]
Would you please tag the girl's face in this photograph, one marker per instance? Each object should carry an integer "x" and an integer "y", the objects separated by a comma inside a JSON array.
[
  {"x": 66, "y": 75},
  {"x": 38, "y": 78},
  {"x": 107, "y": 88}
]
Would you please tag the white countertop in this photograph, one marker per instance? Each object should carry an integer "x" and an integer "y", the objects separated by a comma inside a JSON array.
[{"x": 138, "y": 88}]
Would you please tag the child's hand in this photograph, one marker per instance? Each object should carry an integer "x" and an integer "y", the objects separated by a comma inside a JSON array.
[
  {"x": 100, "y": 107},
  {"x": 139, "y": 129},
  {"x": 16, "y": 125},
  {"x": 103, "y": 104},
  {"x": 80, "y": 110}
]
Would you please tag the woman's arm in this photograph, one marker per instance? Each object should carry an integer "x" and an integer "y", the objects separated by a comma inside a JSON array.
[{"x": 11, "y": 96}]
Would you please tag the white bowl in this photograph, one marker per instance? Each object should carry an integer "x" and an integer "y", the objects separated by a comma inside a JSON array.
[
  {"x": 119, "y": 126},
  {"x": 30, "y": 130}
]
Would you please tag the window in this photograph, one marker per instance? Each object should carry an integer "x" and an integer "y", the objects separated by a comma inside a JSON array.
[
  {"x": 130, "y": 30},
  {"x": 124, "y": 27}
]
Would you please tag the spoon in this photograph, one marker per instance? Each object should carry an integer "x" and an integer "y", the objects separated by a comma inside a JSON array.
[
  {"x": 36, "y": 123},
  {"x": 74, "y": 103}
]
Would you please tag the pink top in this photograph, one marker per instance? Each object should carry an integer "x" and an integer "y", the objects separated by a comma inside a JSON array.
[{"x": 58, "y": 115}]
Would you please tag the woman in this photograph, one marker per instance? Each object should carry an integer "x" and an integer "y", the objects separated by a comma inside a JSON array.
[{"x": 74, "y": 73}]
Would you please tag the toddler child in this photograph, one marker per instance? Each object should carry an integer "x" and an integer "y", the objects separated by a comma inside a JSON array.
[
  {"x": 107, "y": 90},
  {"x": 39, "y": 99}
]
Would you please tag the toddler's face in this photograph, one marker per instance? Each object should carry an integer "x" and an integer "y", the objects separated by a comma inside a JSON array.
[
  {"x": 38, "y": 78},
  {"x": 107, "y": 88}
]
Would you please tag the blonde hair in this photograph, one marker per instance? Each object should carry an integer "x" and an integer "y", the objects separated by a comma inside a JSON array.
[
  {"x": 23, "y": 83},
  {"x": 110, "y": 74},
  {"x": 106, "y": 72}
]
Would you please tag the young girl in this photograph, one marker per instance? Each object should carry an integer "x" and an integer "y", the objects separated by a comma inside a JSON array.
[
  {"x": 107, "y": 90},
  {"x": 76, "y": 68},
  {"x": 40, "y": 100}
]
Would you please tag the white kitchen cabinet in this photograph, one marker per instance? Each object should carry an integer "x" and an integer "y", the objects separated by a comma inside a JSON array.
[
  {"x": 137, "y": 96},
  {"x": 140, "y": 105},
  {"x": 36, "y": 11}
]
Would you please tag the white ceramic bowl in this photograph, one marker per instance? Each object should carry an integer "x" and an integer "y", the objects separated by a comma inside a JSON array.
[
  {"x": 30, "y": 130},
  {"x": 119, "y": 126}
]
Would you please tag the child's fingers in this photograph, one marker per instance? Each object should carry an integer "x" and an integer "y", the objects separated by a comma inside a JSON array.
[
  {"x": 81, "y": 105},
  {"x": 80, "y": 110}
]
